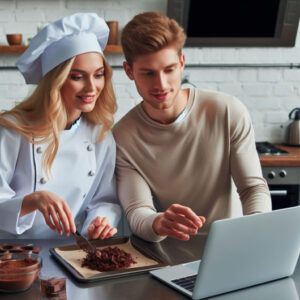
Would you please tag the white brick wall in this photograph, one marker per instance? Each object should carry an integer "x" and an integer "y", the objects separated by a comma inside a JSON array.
[{"x": 269, "y": 93}]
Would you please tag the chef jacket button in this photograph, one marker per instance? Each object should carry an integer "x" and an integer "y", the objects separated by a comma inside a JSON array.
[
  {"x": 43, "y": 180},
  {"x": 89, "y": 148},
  {"x": 91, "y": 173},
  {"x": 39, "y": 150},
  {"x": 84, "y": 195}
]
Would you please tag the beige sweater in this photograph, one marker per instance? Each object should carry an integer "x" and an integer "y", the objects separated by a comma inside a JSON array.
[{"x": 191, "y": 162}]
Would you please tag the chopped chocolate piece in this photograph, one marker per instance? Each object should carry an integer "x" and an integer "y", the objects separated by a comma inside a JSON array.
[
  {"x": 27, "y": 247},
  {"x": 7, "y": 246},
  {"x": 108, "y": 259},
  {"x": 34, "y": 249},
  {"x": 16, "y": 249},
  {"x": 53, "y": 286}
]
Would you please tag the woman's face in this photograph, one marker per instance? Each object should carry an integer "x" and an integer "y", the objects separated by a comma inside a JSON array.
[{"x": 83, "y": 84}]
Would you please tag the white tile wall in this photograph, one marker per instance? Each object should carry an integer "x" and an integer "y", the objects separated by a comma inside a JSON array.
[{"x": 269, "y": 93}]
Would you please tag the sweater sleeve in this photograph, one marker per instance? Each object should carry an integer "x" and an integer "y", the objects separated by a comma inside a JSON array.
[
  {"x": 245, "y": 165},
  {"x": 10, "y": 199},
  {"x": 136, "y": 199}
]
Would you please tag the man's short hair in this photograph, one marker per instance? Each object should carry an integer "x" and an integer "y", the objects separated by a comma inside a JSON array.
[{"x": 150, "y": 32}]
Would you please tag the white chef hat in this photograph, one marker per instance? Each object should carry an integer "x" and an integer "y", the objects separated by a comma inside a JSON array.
[{"x": 61, "y": 40}]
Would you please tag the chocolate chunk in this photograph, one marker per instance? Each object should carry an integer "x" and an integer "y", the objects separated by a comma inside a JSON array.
[
  {"x": 7, "y": 246},
  {"x": 108, "y": 259},
  {"x": 27, "y": 247},
  {"x": 53, "y": 286},
  {"x": 16, "y": 249},
  {"x": 34, "y": 249}
]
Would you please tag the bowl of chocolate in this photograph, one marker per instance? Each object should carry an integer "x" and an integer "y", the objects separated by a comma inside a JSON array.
[{"x": 18, "y": 271}]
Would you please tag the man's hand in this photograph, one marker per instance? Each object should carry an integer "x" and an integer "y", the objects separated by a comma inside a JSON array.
[
  {"x": 100, "y": 229},
  {"x": 178, "y": 221}
]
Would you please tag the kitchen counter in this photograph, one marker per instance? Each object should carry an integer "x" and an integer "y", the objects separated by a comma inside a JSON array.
[
  {"x": 292, "y": 159},
  {"x": 143, "y": 286}
]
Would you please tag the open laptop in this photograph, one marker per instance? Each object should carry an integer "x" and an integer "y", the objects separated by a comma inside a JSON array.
[{"x": 239, "y": 253}]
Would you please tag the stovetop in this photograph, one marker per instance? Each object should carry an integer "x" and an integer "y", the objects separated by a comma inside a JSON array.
[
  {"x": 280, "y": 176},
  {"x": 266, "y": 148}
]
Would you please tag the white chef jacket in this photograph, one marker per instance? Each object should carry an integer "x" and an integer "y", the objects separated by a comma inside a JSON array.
[{"x": 82, "y": 174}]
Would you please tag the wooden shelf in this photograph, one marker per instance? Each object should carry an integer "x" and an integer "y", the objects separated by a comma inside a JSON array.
[
  {"x": 4, "y": 49},
  {"x": 113, "y": 49},
  {"x": 12, "y": 49}
]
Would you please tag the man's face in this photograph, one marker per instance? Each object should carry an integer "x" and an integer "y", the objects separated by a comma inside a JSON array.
[{"x": 157, "y": 78}]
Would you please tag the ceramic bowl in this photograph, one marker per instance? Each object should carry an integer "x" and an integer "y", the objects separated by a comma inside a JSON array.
[{"x": 14, "y": 39}]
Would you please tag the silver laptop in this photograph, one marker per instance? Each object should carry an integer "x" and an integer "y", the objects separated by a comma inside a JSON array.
[{"x": 239, "y": 253}]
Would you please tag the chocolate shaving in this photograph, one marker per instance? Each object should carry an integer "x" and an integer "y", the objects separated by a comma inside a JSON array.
[{"x": 108, "y": 259}]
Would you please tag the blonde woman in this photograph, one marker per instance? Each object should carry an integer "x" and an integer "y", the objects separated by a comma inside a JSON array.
[{"x": 57, "y": 152}]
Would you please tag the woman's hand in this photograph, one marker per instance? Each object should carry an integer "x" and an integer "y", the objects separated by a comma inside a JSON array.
[
  {"x": 178, "y": 221},
  {"x": 100, "y": 229},
  {"x": 55, "y": 210}
]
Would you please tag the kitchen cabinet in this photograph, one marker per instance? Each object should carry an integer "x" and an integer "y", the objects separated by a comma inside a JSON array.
[{"x": 4, "y": 49}]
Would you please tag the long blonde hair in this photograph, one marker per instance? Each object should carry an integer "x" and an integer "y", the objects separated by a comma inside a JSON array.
[{"x": 42, "y": 116}]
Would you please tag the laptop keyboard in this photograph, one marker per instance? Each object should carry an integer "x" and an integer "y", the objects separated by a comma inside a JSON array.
[{"x": 187, "y": 283}]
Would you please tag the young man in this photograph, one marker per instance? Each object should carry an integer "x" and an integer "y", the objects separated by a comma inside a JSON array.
[{"x": 179, "y": 150}]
